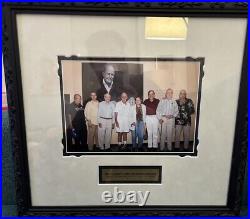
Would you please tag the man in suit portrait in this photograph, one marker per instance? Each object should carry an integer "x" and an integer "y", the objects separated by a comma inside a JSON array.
[
  {"x": 112, "y": 78},
  {"x": 108, "y": 85}
]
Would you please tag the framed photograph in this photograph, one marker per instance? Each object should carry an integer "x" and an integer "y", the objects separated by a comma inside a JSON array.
[
  {"x": 130, "y": 76},
  {"x": 127, "y": 108}
]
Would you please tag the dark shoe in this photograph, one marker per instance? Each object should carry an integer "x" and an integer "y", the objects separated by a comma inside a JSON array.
[
  {"x": 135, "y": 149},
  {"x": 97, "y": 149},
  {"x": 128, "y": 149},
  {"x": 114, "y": 149},
  {"x": 123, "y": 148}
]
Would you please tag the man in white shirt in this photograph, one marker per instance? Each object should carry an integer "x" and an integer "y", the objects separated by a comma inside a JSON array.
[
  {"x": 106, "y": 121},
  {"x": 91, "y": 111},
  {"x": 166, "y": 112},
  {"x": 122, "y": 120}
]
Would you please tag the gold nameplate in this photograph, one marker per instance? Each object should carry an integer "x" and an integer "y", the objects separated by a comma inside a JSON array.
[{"x": 129, "y": 174}]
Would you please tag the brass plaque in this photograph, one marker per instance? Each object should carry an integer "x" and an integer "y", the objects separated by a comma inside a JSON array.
[{"x": 129, "y": 174}]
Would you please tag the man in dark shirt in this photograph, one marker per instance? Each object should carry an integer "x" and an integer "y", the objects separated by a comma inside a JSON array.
[
  {"x": 76, "y": 130},
  {"x": 152, "y": 121},
  {"x": 183, "y": 120}
]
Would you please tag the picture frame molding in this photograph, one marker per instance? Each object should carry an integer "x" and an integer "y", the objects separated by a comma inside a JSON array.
[{"x": 12, "y": 68}]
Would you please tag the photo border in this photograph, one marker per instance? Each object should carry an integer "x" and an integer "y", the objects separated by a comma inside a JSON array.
[{"x": 200, "y": 60}]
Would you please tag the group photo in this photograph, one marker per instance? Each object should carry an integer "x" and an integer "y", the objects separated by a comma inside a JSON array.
[{"x": 132, "y": 106}]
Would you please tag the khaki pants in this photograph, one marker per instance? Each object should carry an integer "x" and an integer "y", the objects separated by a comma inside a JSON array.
[
  {"x": 92, "y": 136},
  {"x": 105, "y": 133},
  {"x": 166, "y": 131},
  {"x": 186, "y": 135}
]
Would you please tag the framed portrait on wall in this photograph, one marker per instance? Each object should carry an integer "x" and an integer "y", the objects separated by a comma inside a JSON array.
[{"x": 127, "y": 108}]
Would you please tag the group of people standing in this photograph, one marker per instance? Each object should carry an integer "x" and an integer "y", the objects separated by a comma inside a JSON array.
[{"x": 152, "y": 118}]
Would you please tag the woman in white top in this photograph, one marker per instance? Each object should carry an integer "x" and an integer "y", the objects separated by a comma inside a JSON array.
[
  {"x": 138, "y": 119},
  {"x": 122, "y": 122}
]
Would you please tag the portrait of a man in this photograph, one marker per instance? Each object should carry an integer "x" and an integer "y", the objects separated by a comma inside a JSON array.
[
  {"x": 107, "y": 85},
  {"x": 112, "y": 78}
]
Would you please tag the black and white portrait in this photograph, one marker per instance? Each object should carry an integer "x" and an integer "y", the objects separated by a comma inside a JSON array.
[{"x": 112, "y": 78}]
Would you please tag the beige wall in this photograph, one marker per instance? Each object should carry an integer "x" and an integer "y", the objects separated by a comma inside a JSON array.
[
  {"x": 72, "y": 78},
  {"x": 157, "y": 76}
]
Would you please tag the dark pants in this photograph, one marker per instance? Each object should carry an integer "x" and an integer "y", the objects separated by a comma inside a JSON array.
[{"x": 79, "y": 142}]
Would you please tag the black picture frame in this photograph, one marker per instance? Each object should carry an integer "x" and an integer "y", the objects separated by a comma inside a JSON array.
[
  {"x": 11, "y": 61},
  {"x": 200, "y": 60}
]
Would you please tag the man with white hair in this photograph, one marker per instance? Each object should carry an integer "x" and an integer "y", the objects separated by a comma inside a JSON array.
[
  {"x": 166, "y": 112},
  {"x": 122, "y": 113},
  {"x": 107, "y": 84},
  {"x": 106, "y": 121},
  {"x": 183, "y": 120}
]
